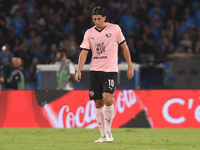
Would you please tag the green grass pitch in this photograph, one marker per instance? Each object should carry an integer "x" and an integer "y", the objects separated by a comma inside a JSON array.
[{"x": 83, "y": 139}]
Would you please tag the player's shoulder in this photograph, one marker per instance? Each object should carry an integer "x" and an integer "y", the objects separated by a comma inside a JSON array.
[
  {"x": 90, "y": 30},
  {"x": 112, "y": 25}
]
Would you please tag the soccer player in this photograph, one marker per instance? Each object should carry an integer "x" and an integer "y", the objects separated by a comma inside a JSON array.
[{"x": 103, "y": 40}]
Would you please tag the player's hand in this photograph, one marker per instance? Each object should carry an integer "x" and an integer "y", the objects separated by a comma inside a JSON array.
[
  {"x": 1, "y": 79},
  {"x": 130, "y": 72},
  {"x": 78, "y": 76}
]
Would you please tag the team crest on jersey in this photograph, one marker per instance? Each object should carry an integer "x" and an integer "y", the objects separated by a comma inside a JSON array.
[
  {"x": 100, "y": 48},
  {"x": 91, "y": 93},
  {"x": 108, "y": 35}
]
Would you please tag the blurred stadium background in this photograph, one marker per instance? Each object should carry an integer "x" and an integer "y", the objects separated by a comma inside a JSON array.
[
  {"x": 164, "y": 41},
  {"x": 156, "y": 31}
]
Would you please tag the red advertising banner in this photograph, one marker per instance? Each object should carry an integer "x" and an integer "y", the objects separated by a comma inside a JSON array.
[
  {"x": 76, "y": 110},
  {"x": 163, "y": 108},
  {"x": 172, "y": 108},
  {"x": 20, "y": 109}
]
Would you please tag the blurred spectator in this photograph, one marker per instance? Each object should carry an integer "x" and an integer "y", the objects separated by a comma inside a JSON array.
[
  {"x": 3, "y": 24},
  {"x": 132, "y": 47},
  {"x": 20, "y": 48},
  {"x": 16, "y": 6},
  {"x": 173, "y": 13},
  {"x": 180, "y": 51},
  {"x": 140, "y": 10},
  {"x": 71, "y": 48},
  {"x": 51, "y": 56},
  {"x": 38, "y": 49},
  {"x": 11, "y": 37},
  {"x": 197, "y": 45},
  {"x": 112, "y": 11},
  {"x": 70, "y": 26},
  {"x": 156, "y": 30},
  {"x": 157, "y": 13},
  {"x": 182, "y": 28},
  {"x": 167, "y": 48},
  {"x": 5, "y": 59},
  {"x": 147, "y": 46},
  {"x": 2, "y": 38},
  {"x": 55, "y": 4},
  {"x": 197, "y": 14},
  {"x": 121, "y": 7},
  {"x": 45, "y": 13},
  {"x": 31, "y": 37},
  {"x": 187, "y": 43},
  {"x": 52, "y": 35},
  {"x": 18, "y": 22},
  {"x": 30, "y": 5},
  {"x": 71, "y": 10},
  {"x": 58, "y": 23},
  {"x": 190, "y": 20},
  {"x": 180, "y": 5},
  {"x": 81, "y": 27},
  {"x": 128, "y": 23},
  {"x": 195, "y": 5},
  {"x": 15, "y": 80},
  {"x": 171, "y": 30}
]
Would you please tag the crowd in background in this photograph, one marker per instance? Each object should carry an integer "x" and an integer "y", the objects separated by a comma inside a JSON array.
[{"x": 154, "y": 29}]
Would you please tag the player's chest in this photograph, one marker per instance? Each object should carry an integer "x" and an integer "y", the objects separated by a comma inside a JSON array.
[{"x": 101, "y": 37}]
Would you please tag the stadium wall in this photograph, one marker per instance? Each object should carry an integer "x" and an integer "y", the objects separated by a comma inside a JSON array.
[{"x": 73, "y": 109}]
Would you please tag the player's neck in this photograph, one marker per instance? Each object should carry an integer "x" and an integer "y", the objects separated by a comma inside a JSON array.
[{"x": 100, "y": 28}]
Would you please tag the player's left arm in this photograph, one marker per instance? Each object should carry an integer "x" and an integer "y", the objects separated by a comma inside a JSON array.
[{"x": 126, "y": 52}]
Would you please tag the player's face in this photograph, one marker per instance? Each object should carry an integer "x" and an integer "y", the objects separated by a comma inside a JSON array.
[{"x": 99, "y": 21}]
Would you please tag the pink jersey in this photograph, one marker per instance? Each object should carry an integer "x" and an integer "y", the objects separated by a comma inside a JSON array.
[{"x": 104, "y": 45}]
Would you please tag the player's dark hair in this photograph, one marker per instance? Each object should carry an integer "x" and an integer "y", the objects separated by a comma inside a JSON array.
[{"x": 98, "y": 11}]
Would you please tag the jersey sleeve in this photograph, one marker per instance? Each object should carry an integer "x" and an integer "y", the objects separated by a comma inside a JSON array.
[
  {"x": 86, "y": 42},
  {"x": 119, "y": 36},
  {"x": 71, "y": 68}
]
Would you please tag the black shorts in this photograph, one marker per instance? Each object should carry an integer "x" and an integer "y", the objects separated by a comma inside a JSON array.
[{"x": 102, "y": 82}]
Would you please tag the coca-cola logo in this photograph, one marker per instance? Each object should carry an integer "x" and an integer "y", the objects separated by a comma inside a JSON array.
[
  {"x": 84, "y": 116},
  {"x": 74, "y": 119}
]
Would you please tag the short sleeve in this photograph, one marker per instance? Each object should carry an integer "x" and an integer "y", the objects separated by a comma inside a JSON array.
[
  {"x": 85, "y": 43},
  {"x": 71, "y": 68},
  {"x": 119, "y": 36}
]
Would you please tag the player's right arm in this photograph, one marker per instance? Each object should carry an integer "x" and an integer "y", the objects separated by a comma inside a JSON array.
[
  {"x": 81, "y": 62},
  {"x": 85, "y": 46}
]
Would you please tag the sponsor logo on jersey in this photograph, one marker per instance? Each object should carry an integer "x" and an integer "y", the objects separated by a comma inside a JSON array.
[
  {"x": 100, "y": 48},
  {"x": 102, "y": 57}
]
